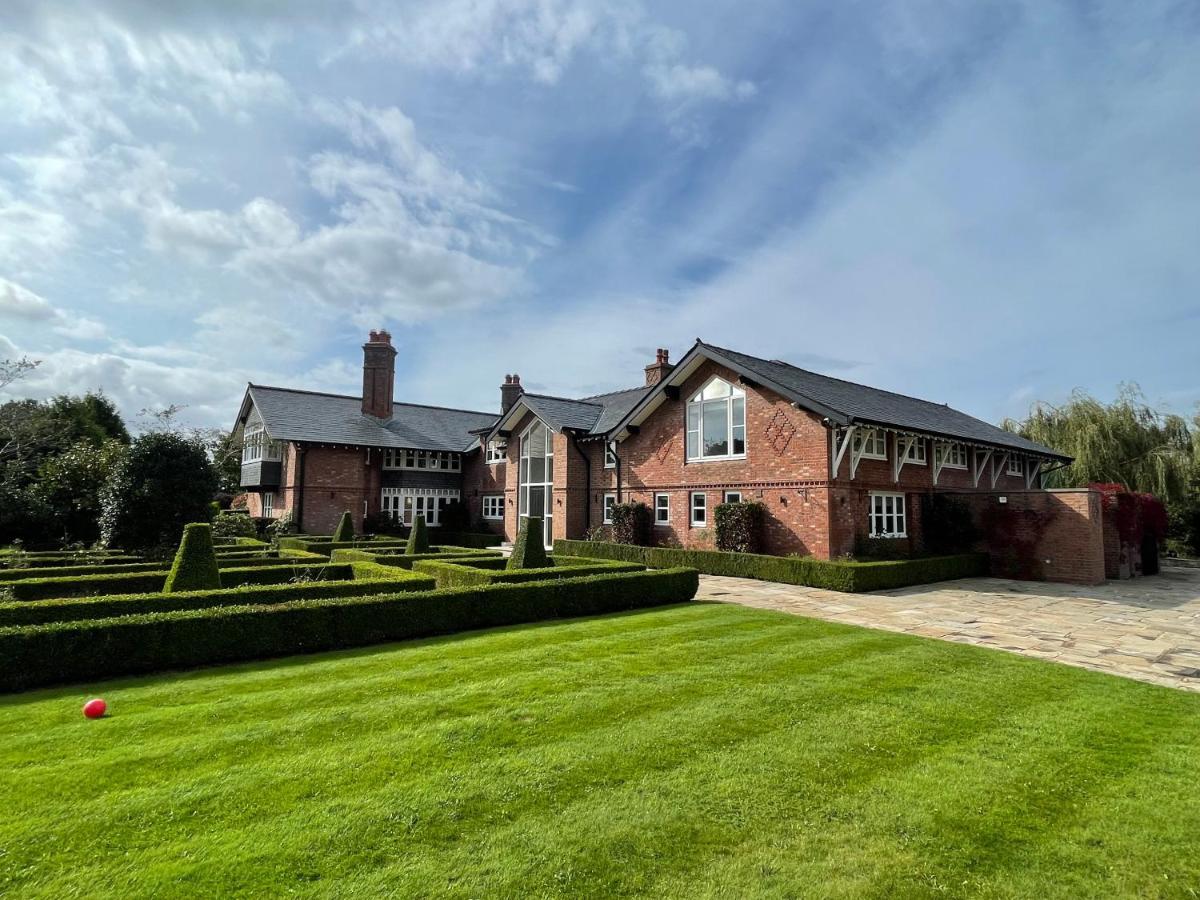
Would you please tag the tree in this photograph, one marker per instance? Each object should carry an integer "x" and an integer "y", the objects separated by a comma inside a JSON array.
[
  {"x": 70, "y": 485},
  {"x": 15, "y": 369},
  {"x": 1125, "y": 442},
  {"x": 164, "y": 482}
]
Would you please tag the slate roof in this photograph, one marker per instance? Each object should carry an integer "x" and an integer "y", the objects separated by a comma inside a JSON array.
[
  {"x": 291, "y": 415},
  {"x": 594, "y": 415},
  {"x": 860, "y": 403}
]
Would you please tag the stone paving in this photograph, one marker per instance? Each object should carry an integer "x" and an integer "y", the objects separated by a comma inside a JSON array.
[{"x": 1145, "y": 628}]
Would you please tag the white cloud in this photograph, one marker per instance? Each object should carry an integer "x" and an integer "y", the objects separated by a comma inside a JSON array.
[{"x": 18, "y": 302}]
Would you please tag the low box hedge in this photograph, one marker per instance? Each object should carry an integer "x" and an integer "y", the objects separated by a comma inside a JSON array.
[
  {"x": 78, "y": 608},
  {"x": 90, "y": 649},
  {"x": 467, "y": 574},
  {"x": 835, "y": 575},
  {"x": 475, "y": 539},
  {"x": 405, "y": 560},
  {"x": 35, "y": 589},
  {"x": 326, "y": 546},
  {"x": 284, "y": 559},
  {"x": 17, "y": 562}
]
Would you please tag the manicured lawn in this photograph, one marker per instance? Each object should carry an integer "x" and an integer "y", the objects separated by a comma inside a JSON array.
[{"x": 690, "y": 751}]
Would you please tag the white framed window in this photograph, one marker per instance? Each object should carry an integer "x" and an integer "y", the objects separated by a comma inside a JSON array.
[
  {"x": 716, "y": 422},
  {"x": 1016, "y": 465},
  {"x": 496, "y": 452},
  {"x": 535, "y": 487},
  {"x": 268, "y": 504},
  {"x": 422, "y": 459},
  {"x": 493, "y": 506},
  {"x": 404, "y": 504},
  {"x": 888, "y": 517},
  {"x": 870, "y": 444},
  {"x": 699, "y": 506},
  {"x": 610, "y": 500},
  {"x": 662, "y": 509},
  {"x": 257, "y": 445},
  {"x": 916, "y": 452},
  {"x": 953, "y": 456},
  {"x": 610, "y": 454},
  {"x": 733, "y": 496}
]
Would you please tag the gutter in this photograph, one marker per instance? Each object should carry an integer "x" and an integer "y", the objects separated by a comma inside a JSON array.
[{"x": 302, "y": 453}]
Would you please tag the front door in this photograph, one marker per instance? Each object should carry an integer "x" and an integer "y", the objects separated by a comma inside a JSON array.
[{"x": 535, "y": 495}]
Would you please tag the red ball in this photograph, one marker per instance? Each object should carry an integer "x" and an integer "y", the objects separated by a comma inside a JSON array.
[{"x": 94, "y": 709}]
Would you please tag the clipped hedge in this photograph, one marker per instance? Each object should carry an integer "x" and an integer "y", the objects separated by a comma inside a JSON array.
[
  {"x": 474, "y": 539},
  {"x": 405, "y": 560},
  {"x": 18, "y": 561},
  {"x": 529, "y": 549},
  {"x": 834, "y": 575},
  {"x": 195, "y": 565},
  {"x": 35, "y": 589},
  {"x": 64, "y": 652},
  {"x": 449, "y": 574},
  {"x": 78, "y": 608},
  {"x": 325, "y": 546},
  {"x": 285, "y": 558}
]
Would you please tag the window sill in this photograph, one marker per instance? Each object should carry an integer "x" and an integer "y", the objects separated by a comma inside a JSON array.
[
  {"x": 959, "y": 468},
  {"x": 708, "y": 459},
  {"x": 662, "y": 524},
  {"x": 887, "y": 537}
]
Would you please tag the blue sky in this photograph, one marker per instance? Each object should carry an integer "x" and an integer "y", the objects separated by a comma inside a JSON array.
[{"x": 982, "y": 204}]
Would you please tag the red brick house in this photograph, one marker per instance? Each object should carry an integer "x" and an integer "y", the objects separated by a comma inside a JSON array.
[{"x": 832, "y": 461}]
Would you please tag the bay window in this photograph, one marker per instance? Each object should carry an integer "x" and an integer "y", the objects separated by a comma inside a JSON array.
[{"x": 716, "y": 422}]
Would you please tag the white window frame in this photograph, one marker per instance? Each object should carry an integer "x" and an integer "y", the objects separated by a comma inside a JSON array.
[
  {"x": 492, "y": 506},
  {"x": 257, "y": 445},
  {"x": 728, "y": 494},
  {"x": 496, "y": 452},
  {"x": 662, "y": 513},
  {"x": 870, "y": 443},
  {"x": 268, "y": 504},
  {"x": 606, "y": 508},
  {"x": 610, "y": 454},
  {"x": 431, "y": 460},
  {"x": 917, "y": 454},
  {"x": 1015, "y": 465},
  {"x": 890, "y": 505},
  {"x": 403, "y": 504},
  {"x": 952, "y": 456},
  {"x": 697, "y": 402},
  {"x": 703, "y": 508},
  {"x": 524, "y": 469}
]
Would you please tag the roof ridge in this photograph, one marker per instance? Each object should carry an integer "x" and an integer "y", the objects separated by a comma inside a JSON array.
[
  {"x": 858, "y": 384},
  {"x": 621, "y": 391},
  {"x": 553, "y": 397},
  {"x": 271, "y": 387}
]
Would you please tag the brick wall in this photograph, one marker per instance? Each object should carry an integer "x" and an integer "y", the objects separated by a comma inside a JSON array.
[{"x": 1055, "y": 535}]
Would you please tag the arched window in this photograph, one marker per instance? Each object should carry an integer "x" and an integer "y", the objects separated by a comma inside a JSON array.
[{"x": 716, "y": 422}]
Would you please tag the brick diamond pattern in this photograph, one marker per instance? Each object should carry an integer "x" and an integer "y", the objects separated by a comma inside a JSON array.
[{"x": 780, "y": 432}]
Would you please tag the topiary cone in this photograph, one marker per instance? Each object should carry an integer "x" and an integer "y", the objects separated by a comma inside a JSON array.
[
  {"x": 529, "y": 550},
  {"x": 418, "y": 538},
  {"x": 345, "y": 529},
  {"x": 195, "y": 566}
]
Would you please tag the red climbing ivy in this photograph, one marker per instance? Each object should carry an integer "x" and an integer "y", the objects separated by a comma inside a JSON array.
[{"x": 1134, "y": 513}]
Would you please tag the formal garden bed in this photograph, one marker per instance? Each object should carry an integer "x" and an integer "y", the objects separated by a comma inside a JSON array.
[
  {"x": 837, "y": 575},
  {"x": 207, "y": 609}
]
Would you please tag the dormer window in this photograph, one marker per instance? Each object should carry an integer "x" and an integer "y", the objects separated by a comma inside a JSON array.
[
  {"x": 497, "y": 452},
  {"x": 716, "y": 422}
]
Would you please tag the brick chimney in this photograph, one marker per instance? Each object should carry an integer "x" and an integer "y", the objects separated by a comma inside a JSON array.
[
  {"x": 510, "y": 391},
  {"x": 379, "y": 375},
  {"x": 659, "y": 369}
]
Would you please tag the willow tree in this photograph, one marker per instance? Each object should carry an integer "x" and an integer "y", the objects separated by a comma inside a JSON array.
[{"x": 1126, "y": 442}]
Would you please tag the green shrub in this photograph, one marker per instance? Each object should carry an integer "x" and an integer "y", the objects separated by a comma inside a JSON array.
[
  {"x": 405, "y": 561},
  {"x": 195, "y": 566},
  {"x": 740, "y": 526},
  {"x": 465, "y": 574},
  {"x": 344, "y": 532},
  {"x": 631, "y": 524},
  {"x": 418, "y": 539},
  {"x": 7, "y": 575},
  {"x": 234, "y": 524},
  {"x": 834, "y": 575},
  {"x": 529, "y": 550},
  {"x": 71, "y": 609},
  {"x": 471, "y": 539},
  {"x": 161, "y": 484},
  {"x": 91, "y": 649}
]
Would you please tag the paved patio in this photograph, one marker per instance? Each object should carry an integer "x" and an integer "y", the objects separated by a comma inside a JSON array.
[{"x": 1146, "y": 628}]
